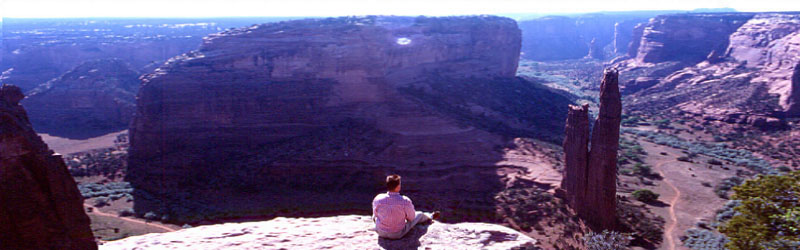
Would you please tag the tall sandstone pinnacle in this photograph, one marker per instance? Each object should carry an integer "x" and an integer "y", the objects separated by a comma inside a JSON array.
[
  {"x": 40, "y": 205},
  {"x": 793, "y": 105},
  {"x": 591, "y": 174},
  {"x": 576, "y": 148}
]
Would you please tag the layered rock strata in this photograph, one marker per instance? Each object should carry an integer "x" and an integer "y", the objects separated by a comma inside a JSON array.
[
  {"x": 757, "y": 61},
  {"x": 687, "y": 37},
  {"x": 40, "y": 205},
  {"x": 94, "y": 98},
  {"x": 313, "y": 113},
  {"x": 564, "y": 38},
  {"x": 590, "y": 179},
  {"x": 340, "y": 232}
]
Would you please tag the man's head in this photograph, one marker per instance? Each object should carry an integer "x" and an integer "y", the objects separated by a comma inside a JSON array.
[{"x": 393, "y": 183}]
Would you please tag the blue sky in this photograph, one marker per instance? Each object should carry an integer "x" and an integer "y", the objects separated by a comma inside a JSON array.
[{"x": 216, "y": 8}]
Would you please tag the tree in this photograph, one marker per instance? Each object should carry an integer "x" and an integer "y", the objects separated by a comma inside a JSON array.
[
  {"x": 645, "y": 195},
  {"x": 769, "y": 214}
]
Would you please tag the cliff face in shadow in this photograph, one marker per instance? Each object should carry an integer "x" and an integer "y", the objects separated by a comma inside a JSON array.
[
  {"x": 40, "y": 206},
  {"x": 313, "y": 114},
  {"x": 93, "y": 99}
]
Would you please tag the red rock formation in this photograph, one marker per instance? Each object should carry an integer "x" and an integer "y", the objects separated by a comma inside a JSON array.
[
  {"x": 576, "y": 156},
  {"x": 793, "y": 105},
  {"x": 595, "y": 50},
  {"x": 40, "y": 206},
  {"x": 590, "y": 179},
  {"x": 602, "y": 181},
  {"x": 560, "y": 38},
  {"x": 94, "y": 98},
  {"x": 265, "y": 117},
  {"x": 636, "y": 40},
  {"x": 758, "y": 62},
  {"x": 687, "y": 37}
]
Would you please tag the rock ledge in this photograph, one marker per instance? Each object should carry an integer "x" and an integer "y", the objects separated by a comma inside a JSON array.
[{"x": 339, "y": 232}]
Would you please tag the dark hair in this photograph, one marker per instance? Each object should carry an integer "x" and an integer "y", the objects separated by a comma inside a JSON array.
[{"x": 392, "y": 181}]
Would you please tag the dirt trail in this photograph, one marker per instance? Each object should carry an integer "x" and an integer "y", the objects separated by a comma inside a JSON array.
[
  {"x": 673, "y": 220},
  {"x": 101, "y": 213}
]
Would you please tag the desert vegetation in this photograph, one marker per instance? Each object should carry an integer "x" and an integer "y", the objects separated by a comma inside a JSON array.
[
  {"x": 769, "y": 214},
  {"x": 646, "y": 228},
  {"x": 108, "y": 162},
  {"x": 721, "y": 151}
]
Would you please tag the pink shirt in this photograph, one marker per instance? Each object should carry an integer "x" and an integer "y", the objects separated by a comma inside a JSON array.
[{"x": 391, "y": 210}]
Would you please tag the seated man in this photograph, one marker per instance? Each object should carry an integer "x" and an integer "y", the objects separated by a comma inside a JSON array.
[{"x": 393, "y": 213}]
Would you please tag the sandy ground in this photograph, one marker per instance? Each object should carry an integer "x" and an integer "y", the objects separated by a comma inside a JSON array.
[
  {"x": 66, "y": 146},
  {"x": 686, "y": 200}
]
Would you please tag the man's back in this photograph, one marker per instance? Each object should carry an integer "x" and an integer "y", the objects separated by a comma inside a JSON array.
[{"x": 391, "y": 210}]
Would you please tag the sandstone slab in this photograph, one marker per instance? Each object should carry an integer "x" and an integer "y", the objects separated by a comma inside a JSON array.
[{"x": 340, "y": 232}]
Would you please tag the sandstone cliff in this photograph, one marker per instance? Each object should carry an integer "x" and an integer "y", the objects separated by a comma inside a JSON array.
[
  {"x": 753, "y": 54},
  {"x": 94, "y": 98},
  {"x": 687, "y": 37},
  {"x": 563, "y": 38},
  {"x": 590, "y": 179},
  {"x": 340, "y": 232},
  {"x": 313, "y": 113},
  {"x": 40, "y": 206}
]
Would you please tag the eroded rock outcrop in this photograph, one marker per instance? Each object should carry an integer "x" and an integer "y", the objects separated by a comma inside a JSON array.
[
  {"x": 595, "y": 50},
  {"x": 340, "y": 232},
  {"x": 310, "y": 113},
  {"x": 793, "y": 100},
  {"x": 636, "y": 39},
  {"x": 40, "y": 206},
  {"x": 602, "y": 177},
  {"x": 687, "y": 37},
  {"x": 758, "y": 63},
  {"x": 590, "y": 179},
  {"x": 563, "y": 38},
  {"x": 576, "y": 160},
  {"x": 94, "y": 98}
]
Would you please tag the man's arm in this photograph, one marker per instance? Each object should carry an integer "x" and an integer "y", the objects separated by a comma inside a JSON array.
[
  {"x": 374, "y": 201},
  {"x": 410, "y": 212}
]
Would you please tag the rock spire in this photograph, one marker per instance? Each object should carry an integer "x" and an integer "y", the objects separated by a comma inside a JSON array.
[{"x": 591, "y": 173}]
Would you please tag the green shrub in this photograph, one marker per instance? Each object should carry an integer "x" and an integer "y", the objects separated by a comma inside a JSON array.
[
  {"x": 714, "y": 162},
  {"x": 100, "y": 201},
  {"x": 150, "y": 216},
  {"x": 126, "y": 212},
  {"x": 684, "y": 158},
  {"x": 703, "y": 239},
  {"x": 607, "y": 240},
  {"x": 645, "y": 195},
  {"x": 662, "y": 124},
  {"x": 642, "y": 170},
  {"x": 725, "y": 185}
]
